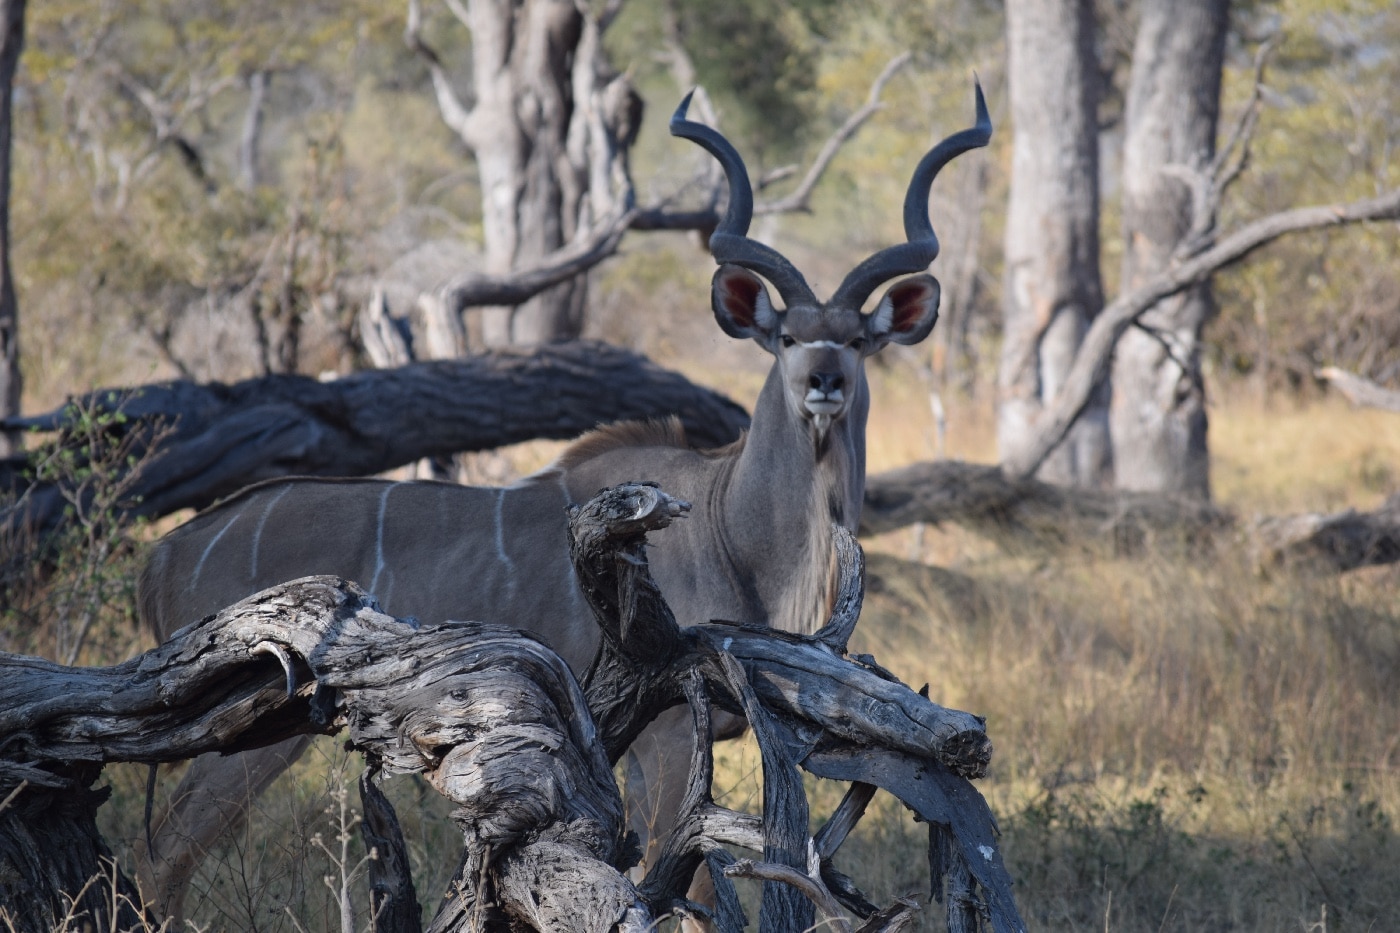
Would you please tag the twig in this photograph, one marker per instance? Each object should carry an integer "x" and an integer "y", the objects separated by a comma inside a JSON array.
[{"x": 813, "y": 889}]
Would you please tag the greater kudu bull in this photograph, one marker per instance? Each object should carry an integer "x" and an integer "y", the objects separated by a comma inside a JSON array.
[{"x": 756, "y": 548}]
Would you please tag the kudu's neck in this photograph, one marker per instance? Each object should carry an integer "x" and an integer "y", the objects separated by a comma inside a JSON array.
[{"x": 788, "y": 486}]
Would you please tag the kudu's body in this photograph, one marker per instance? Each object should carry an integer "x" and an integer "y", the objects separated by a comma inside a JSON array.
[{"x": 756, "y": 546}]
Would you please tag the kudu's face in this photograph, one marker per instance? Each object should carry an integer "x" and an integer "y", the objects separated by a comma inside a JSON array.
[{"x": 821, "y": 349}]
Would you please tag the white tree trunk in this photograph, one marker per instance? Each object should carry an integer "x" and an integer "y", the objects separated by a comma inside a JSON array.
[
  {"x": 1052, "y": 289},
  {"x": 1158, "y": 416},
  {"x": 549, "y": 124}
]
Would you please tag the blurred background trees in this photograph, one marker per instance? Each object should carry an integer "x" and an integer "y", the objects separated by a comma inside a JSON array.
[{"x": 215, "y": 190}]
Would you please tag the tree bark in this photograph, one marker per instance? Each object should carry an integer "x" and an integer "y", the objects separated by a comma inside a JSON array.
[
  {"x": 1053, "y": 289},
  {"x": 1158, "y": 415},
  {"x": 11, "y": 381}
]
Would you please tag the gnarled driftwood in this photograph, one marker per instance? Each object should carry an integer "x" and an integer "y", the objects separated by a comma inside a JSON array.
[{"x": 545, "y": 844}]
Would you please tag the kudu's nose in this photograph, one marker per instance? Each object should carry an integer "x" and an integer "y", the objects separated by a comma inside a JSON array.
[{"x": 826, "y": 383}]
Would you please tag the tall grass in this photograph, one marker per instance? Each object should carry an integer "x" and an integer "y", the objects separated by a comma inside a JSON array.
[{"x": 1182, "y": 742}]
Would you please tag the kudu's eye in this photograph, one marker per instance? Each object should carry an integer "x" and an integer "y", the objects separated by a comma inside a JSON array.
[
  {"x": 857, "y": 344},
  {"x": 787, "y": 340}
]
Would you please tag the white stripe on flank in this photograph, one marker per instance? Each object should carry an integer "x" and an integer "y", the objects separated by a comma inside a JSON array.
[
  {"x": 379, "y": 540},
  {"x": 581, "y": 608},
  {"x": 199, "y": 567},
  {"x": 501, "y": 540},
  {"x": 257, "y": 533}
]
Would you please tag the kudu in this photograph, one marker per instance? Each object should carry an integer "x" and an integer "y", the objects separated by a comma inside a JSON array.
[{"x": 755, "y": 548}]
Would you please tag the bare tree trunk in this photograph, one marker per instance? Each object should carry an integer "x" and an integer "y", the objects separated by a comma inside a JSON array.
[
  {"x": 1158, "y": 417},
  {"x": 543, "y": 127},
  {"x": 250, "y": 139},
  {"x": 1053, "y": 290},
  {"x": 11, "y": 382}
]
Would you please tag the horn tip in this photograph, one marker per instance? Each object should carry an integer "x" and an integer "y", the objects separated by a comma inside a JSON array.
[
  {"x": 679, "y": 116},
  {"x": 984, "y": 119}
]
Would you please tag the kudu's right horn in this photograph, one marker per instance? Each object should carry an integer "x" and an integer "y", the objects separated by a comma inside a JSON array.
[{"x": 730, "y": 242}]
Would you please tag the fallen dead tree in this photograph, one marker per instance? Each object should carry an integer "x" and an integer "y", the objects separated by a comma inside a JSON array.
[
  {"x": 214, "y": 438},
  {"x": 545, "y": 843},
  {"x": 1028, "y": 514}
]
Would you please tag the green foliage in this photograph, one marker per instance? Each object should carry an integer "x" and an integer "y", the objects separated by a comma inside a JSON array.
[{"x": 70, "y": 594}]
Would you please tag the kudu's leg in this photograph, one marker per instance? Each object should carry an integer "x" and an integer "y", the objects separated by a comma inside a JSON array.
[{"x": 213, "y": 798}]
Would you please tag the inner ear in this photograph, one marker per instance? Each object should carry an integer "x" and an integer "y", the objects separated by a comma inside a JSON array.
[
  {"x": 741, "y": 303},
  {"x": 907, "y": 312}
]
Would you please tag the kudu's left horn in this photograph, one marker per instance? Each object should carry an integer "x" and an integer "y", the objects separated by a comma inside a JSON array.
[{"x": 922, "y": 248}]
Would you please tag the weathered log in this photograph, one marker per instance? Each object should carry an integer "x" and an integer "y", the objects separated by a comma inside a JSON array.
[
  {"x": 423, "y": 700},
  {"x": 804, "y": 677},
  {"x": 1029, "y": 513},
  {"x": 214, "y": 438},
  {"x": 809, "y": 704},
  {"x": 539, "y": 810},
  {"x": 1335, "y": 542}
]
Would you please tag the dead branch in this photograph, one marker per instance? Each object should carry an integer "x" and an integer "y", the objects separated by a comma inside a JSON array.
[
  {"x": 1360, "y": 391},
  {"x": 712, "y": 180},
  {"x": 1091, "y": 364},
  {"x": 473, "y": 289},
  {"x": 801, "y": 196}
]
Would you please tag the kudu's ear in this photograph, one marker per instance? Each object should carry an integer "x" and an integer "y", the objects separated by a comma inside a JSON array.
[
  {"x": 741, "y": 303},
  {"x": 907, "y": 312}
]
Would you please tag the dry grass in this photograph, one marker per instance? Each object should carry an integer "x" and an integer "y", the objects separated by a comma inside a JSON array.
[
  {"x": 1200, "y": 748},
  {"x": 1181, "y": 745}
]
